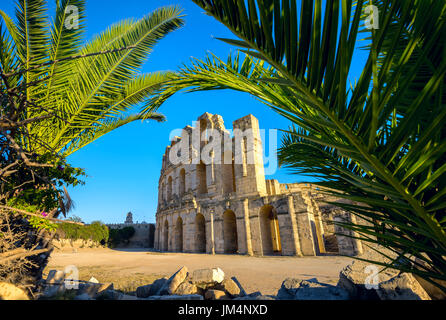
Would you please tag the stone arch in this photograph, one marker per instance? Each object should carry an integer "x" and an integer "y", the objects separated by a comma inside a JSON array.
[
  {"x": 202, "y": 178},
  {"x": 166, "y": 236},
  {"x": 182, "y": 182},
  {"x": 179, "y": 235},
  {"x": 269, "y": 228},
  {"x": 169, "y": 188},
  {"x": 230, "y": 231},
  {"x": 200, "y": 233}
]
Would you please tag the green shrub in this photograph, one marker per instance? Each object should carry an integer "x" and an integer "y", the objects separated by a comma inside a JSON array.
[
  {"x": 118, "y": 236},
  {"x": 95, "y": 231}
]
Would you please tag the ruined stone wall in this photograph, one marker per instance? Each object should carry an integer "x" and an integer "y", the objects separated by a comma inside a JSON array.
[
  {"x": 229, "y": 207},
  {"x": 144, "y": 236}
]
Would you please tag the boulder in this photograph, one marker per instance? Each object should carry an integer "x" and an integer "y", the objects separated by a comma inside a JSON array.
[
  {"x": 361, "y": 279},
  {"x": 177, "y": 297},
  {"x": 109, "y": 295},
  {"x": 128, "y": 297},
  {"x": 242, "y": 291},
  {"x": 52, "y": 290},
  {"x": 143, "y": 291},
  {"x": 156, "y": 286},
  {"x": 402, "y": 287},
  {"x": 208, "y": 276},
  {"x": 55, "y": 277},
  {"x": 432, "y": 290},
  {"x": 213, "y": 294},
  {"x": 288, "y": 289},
  {"x": 230, "y": 287},
  {"x": 83, "y": 296},
  {"x": 174, "y": 281},
  {"x": 9, "y": 291},
  {"x": 187, "y": 288},
  {"x": 314, "y": 290},
  {"x": 256, "y": 296},
  {"x": 94, "y": 289}
]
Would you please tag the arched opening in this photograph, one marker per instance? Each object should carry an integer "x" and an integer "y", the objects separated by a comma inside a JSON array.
[
  {"x": 230, "y": 231},
  {"x": 166, "y": 236},
  {"x": 201, "y": 178},
  {"x": 179, "y": 235},
  {"x": 169, "y": 189},
  {"x": 269, "y": 225},
  {"x": 163, "y": 191},
  {"x": 228, "y": 172},
  {"x": 182, "y": 182},
  {"x": 203, "y": 128},
  {"x": 200, "y": 233}
]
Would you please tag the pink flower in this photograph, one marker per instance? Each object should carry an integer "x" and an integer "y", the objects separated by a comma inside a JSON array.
[{"x": 44, "y": 214}]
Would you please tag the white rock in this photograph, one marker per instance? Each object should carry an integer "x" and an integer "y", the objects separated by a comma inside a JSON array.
[
  {"x": 93, "y": 280},
  {"x": 208, "y": 276}
]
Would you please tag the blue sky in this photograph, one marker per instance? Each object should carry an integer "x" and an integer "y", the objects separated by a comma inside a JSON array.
[{"x": 123, "y": 167}]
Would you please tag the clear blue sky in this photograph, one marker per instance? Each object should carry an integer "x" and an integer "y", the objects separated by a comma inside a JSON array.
[{"x": 123, "y": 167}]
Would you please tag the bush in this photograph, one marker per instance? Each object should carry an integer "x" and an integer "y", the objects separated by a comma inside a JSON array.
[
  {"x": 95, "y": 231},
  {"x": 118, "y": 236}
]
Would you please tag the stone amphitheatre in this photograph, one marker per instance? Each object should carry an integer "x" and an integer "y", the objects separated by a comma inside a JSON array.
[
  {"x": 224, "y": 215},
  {"x": 228, "y": 207}
]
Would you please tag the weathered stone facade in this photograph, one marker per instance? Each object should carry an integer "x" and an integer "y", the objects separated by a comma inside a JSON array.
[
  {"x": 144, "y": 236},
  {"x": 230, "y": 207}
]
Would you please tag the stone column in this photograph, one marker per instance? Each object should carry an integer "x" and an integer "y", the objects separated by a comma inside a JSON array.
[
  {"x": 247, "y": 227},
  {"x": 157, "y": 235},
  {"x": 292, "y": 213},
  {"x": 212, "y": 232}
]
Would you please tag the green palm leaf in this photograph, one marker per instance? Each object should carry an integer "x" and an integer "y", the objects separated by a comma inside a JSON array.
[{"x": 380, "y": 143}]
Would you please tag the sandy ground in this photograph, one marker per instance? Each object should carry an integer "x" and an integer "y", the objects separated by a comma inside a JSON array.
[{"x": 128, "y": 269}]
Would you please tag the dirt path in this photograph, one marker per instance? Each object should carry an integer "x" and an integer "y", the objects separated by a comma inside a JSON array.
[{"x": 129, "y": 269}]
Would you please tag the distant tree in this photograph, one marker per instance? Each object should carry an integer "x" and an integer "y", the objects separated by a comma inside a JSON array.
[{"x": 75, "y": 219}]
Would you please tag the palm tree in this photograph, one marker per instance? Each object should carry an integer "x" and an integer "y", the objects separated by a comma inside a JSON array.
[
  {"x": 89, "y": 88},
  {"x": 379, "y": 141},
  {"x": 57, "y": 95}
]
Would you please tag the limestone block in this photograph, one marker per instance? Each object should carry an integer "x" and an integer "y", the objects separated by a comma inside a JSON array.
[
  {"x": 402, "y": 287},
  {"x": 230, "y": 287},
  {"x": 361, "y": 279},
  {"x": 256, "y": 296},
  {"x": 314, "y": 290},
  {"x": 242, "y": 291},
  {"x": 208, "y": 276},
  {"x": 55, "y": 277},
  {"x": 174, "y": 281},
  {"x": 288, "y": 289},
  {"x": 83, "y": 297},
  {"x": 187, "y": 288},
  {"x": 94, "y": 289},
  {"x": 212, "y": 294},
  {"x": 143, "y": 291},
  {"x": 177, "y": 297},
  {"x": 9, "y": 291},
  {"x": 433, "y": 291},
  {"x": 156, "y": 286}
]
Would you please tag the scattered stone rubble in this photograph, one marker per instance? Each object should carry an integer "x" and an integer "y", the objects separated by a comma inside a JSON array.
[{"x": 212, "y": 284}]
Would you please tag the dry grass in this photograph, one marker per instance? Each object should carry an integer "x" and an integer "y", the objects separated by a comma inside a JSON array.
[{"x": 122, "y": 281}]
